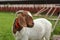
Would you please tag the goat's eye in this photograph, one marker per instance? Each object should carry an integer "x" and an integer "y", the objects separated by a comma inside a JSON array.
[{"x": 27, "y": 15}]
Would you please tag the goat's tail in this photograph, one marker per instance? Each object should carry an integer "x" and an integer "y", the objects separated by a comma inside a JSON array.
[{"x": 56, "y": 23}]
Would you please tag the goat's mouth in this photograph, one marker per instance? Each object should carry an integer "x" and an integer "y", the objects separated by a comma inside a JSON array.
[{"x": 30, "y": 26}]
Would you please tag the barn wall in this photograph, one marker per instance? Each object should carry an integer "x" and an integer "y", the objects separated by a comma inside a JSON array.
[{"x": 30, "y": 7}]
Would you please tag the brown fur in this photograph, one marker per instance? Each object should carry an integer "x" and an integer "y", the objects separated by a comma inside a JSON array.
[{"x": 16, "y": 26}]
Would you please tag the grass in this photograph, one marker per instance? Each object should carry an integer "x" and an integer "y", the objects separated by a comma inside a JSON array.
[{"x": 6, "y": 22}]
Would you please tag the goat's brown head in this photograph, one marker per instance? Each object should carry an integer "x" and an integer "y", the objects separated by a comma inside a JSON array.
[{"x": 25, "y": 18}]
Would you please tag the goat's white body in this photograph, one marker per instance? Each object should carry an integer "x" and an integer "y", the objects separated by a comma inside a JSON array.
[{"x": 42, "y": 28}]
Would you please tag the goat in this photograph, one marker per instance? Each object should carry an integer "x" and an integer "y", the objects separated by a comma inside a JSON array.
[{"x": 25, "y": 28}]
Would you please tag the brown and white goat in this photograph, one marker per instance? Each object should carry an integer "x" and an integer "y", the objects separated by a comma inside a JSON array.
[{"x": 25, "y": 28}]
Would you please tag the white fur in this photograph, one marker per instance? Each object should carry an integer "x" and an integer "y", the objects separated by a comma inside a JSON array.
[
  {"x": 29, "y": 13},
  {"x": 41, "y": 29}
]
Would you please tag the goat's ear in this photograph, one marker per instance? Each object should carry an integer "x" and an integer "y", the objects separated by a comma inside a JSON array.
[
  {"x": 29, "y": 21},
  {"x": 14, "y": 30},
  {"x": 22, "y": 21}
]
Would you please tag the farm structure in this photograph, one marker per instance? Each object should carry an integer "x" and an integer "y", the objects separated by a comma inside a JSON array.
[{"x": 39, "y": 8}]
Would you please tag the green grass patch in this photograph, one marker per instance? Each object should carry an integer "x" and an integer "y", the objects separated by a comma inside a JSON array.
[{"x": 6, "y": 21}]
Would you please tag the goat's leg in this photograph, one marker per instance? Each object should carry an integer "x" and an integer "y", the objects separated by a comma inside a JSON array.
[
  {"x": 47, "y": 35},
  {"x": 44, "y": 38},
  {"x": 24, "y": 38}
]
